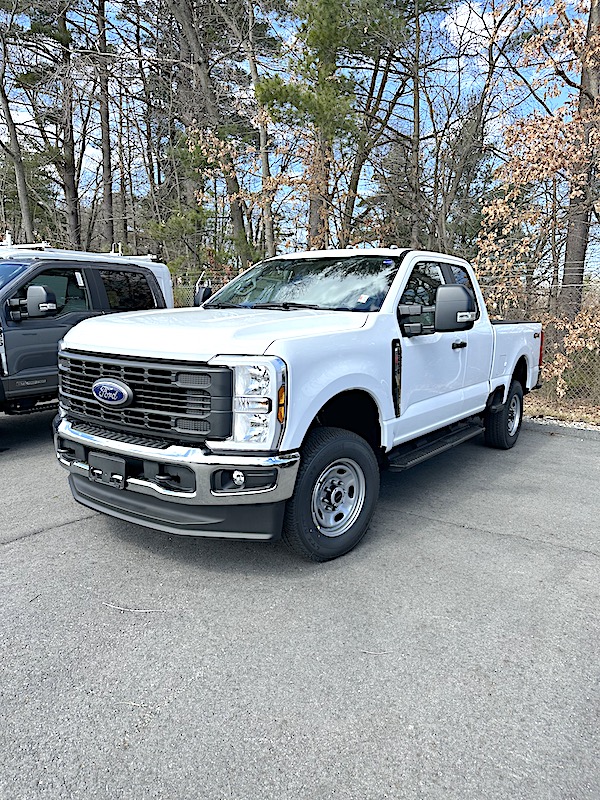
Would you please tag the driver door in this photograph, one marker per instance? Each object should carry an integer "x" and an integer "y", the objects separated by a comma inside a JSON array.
[
  {"x": 433, "y": 364},
  {"x": 31, "y": 344}
]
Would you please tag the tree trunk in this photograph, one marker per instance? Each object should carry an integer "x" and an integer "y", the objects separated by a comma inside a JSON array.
[
  {"x": 184, "y": 15},
  {"x": 69, "y": 170},
  {"x": 348, "y": 213},
  {"x": 145, "y": 126},
  {"x": 122, "y": 171},
  {"x": 416, "y": 141},
  {"x": 107, "y": 188},
  {"x": 580, "y": 205},
  {"x": 263, "y": 143},
  {"x": 318, "y": 194},
  {"x": 15, "y": 153}
]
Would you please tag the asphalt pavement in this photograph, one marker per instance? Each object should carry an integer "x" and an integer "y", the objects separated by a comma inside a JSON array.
[{"x": 454, "y": 654}]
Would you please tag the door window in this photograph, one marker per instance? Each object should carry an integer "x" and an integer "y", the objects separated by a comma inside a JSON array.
[
  {"x": 461, "y": 276},
  {"x": 127, "y": 290},
  {"x": 421, "y": 288},
  {"x": 67, "y": 284}
]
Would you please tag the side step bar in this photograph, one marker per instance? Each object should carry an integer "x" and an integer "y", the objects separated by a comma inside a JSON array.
[{"x": 409, "y": 455}]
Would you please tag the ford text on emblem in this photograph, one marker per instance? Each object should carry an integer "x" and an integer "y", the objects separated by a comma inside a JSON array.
[{"x": 112, "y": 392}]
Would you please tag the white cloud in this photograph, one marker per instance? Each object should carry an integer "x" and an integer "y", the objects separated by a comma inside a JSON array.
[{"x": 469, "y": 27}]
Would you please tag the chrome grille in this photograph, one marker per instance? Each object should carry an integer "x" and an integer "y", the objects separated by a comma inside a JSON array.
[{"x": 175, "y": 400}]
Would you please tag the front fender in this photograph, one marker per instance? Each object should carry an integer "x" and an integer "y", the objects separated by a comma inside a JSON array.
[{"x": 322, "y": 370}]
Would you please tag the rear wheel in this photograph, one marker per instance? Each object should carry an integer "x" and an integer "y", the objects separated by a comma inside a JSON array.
[
  {"x": 502, "y": 427},
  {"x": 335, "y": 495}
]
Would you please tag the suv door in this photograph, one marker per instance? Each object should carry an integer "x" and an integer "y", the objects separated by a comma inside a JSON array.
[
  {"x": 432, "y": 364},
  {"x": 31, "y": 344}
]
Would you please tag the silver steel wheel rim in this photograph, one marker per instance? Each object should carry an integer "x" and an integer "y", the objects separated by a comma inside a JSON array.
[
  {"x": 338, "y": 497},
  {"x": 514, "y": 415}
]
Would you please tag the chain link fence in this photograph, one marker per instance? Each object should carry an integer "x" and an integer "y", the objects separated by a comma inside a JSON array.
[
  {"x": 571, "y": 365},
  {"x": 574, "y": 395},
  {"x": 184, "y": 295}
]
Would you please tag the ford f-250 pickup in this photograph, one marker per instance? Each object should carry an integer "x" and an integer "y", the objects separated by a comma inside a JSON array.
[{"x": 270, "y": 410}]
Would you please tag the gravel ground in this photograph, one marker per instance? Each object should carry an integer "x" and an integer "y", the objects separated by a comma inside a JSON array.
[{"x": 560, "y": 423}]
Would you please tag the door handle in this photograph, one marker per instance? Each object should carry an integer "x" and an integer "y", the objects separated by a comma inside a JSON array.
[{"x": 458, "y": 345}]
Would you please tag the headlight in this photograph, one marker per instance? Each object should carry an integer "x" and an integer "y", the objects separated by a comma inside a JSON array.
[
  {"x": 253, "y": 379},
  {"x": 259, "y": 402},
  {"x": 252, "y": 403}
]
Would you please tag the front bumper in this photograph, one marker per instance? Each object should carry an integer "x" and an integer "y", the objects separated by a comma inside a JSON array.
[{"x": 178, "y": 489}]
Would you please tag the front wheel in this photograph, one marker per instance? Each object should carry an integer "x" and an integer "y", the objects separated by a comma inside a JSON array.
[
  {"x": 502, "y": 427},
  {"x": 335, "y": 495}
]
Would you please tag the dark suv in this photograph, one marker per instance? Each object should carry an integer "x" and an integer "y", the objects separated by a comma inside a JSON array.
[{"x": 43, "y": 293}]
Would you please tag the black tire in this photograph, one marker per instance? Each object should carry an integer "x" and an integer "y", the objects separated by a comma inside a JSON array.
[
  {"x": 502, "y": 427},
  {"x": 335, "y": 495}
]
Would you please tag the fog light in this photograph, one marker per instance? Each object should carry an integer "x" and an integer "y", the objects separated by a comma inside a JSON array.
[{"x": 238, "y": 477}]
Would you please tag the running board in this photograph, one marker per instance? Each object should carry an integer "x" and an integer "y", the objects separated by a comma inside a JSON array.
[{"x": 404, "y": 459}]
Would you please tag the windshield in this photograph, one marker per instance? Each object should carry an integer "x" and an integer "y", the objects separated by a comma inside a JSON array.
[
  {"x": 355, "y": 283},
  {"x": 10, "y": 270}
]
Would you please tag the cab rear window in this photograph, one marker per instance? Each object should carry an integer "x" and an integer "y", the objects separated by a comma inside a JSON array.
[{"x": 127, "y": 290}]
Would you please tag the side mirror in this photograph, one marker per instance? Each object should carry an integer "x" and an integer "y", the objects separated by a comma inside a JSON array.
[
  {"x": 405, "y": 312},
  {"x": 454, "y": 308},
  {"x": 409, "y": 310},
  {"x": 202, "y": 294},
  {"x": 41, "y": 302}
]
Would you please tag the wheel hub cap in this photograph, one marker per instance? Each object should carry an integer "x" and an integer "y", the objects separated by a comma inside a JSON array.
[
  {"x": 514, "y": 416},
  {"x": 338, "y": 497}
]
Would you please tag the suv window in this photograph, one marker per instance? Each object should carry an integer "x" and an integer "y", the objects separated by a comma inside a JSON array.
[
  {"x": 421, "y": 288},
  {"x": 67, "y": 284},
  {"x": 127, "y": 290}
]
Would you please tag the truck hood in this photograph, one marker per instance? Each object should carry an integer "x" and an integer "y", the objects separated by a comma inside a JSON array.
[{"x": 200, "y": 334}]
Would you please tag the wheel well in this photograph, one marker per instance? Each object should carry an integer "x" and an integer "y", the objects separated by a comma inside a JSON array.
[
  {"x": 354, "y": 411},
  {"x": 520, "y": 373},
  {"x": 496, "y": 398}
]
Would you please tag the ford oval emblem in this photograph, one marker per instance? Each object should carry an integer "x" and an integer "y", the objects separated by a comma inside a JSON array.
[{"x": 111, "y": 392}]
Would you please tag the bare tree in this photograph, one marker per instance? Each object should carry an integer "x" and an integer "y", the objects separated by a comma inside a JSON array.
[
  {"x": 582, "y": 197},
  {"x": 188, "y": 15},
  {"x": 103, "y": 88},
  {"x": 13, "y": 149}
]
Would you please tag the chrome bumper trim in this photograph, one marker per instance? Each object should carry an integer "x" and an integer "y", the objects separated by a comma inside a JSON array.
[{"x": 202, "y": 463}]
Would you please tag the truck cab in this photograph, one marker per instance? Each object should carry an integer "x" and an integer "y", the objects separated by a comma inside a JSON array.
[{"x": 44, "y": 292}]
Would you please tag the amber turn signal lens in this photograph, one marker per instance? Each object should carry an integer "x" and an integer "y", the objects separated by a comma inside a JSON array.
[{"x": 281, "y": 404}]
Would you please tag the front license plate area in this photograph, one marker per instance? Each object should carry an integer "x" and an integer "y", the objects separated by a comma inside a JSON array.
[{"x": 109, "y": 470}]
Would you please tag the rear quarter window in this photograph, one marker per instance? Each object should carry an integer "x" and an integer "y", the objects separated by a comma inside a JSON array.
[
  {"x": 461, "y": 276},
  {"x": 127, "y": 290}
]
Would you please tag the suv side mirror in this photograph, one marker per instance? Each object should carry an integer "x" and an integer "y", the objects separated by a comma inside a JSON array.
[
  {"x": 41, "y": 302},
  {"x": 203, "y": 293},
  {"x": 454, "y": 308}
]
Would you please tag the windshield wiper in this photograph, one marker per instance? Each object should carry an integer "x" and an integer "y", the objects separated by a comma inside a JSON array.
[
  {"x": 286, "y": 306},
  {"x": 224, "y": 305}
]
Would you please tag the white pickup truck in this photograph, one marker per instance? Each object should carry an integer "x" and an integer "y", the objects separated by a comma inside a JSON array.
[{"x": 270, "y": 410}]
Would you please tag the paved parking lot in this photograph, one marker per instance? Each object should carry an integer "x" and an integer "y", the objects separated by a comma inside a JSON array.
[{"x": 454, "y": 654}]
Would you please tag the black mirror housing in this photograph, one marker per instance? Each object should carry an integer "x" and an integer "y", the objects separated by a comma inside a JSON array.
[
  {"x": 202, "y": 294},
  {"x": 454, "y": 308}
]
